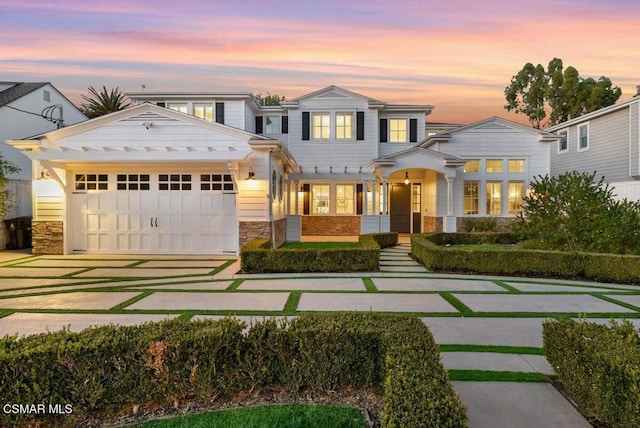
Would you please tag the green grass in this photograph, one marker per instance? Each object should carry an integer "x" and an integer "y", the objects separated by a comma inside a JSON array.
[
  {"x": 495, "y": 376},
  {"x": 483, "y": 247},
  {"x": 320, "y": 245},
  {"x": 290, "y": 416}
]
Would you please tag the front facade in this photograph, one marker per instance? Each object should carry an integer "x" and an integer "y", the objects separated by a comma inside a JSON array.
[
  {"x": 26, "y": 109},
  {"x": 606, "y": 141},
  {"x": 205, "y": 173}
]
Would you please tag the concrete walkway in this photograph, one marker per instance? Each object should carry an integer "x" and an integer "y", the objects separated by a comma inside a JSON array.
[{"x": 491, "y": 324}]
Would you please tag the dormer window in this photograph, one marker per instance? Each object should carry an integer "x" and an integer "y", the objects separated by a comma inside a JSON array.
[
  {"x": 203, "y": 111},
  {"x": 181, "y": 107}
]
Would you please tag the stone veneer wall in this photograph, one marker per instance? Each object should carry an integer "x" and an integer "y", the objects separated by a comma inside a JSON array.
[
  {"x": 321, "y": 225},
  {"x": 503, "y": 224},
  {"x": 47, "y": 237},
  {"x": 431, "y": 224},
  {"x": 280, "y": 230},
  {"x": 254, "y": 229}
]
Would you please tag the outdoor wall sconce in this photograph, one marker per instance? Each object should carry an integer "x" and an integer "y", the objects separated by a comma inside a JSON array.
[
  {"x": 251, "y": 175},
  {"x": 406, "y": 178},
  {"x": 44, "y": 175}
]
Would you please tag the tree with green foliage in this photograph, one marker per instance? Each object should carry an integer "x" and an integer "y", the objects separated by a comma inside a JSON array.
[
  {"x": 103, "y": 102},
  {"x": 574, "y": 212},
  {"x": 557, "y": 93},
  {"x": 6, "y": 168},
  {"x": 269, "y": 99}
]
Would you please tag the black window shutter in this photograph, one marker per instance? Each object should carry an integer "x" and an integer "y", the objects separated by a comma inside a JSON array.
[
  {"x": 305, "y": 126},
  {"x": 259, "y": 125},
  {"x": 383, "y": 130},
  {"x": 285, "y": 124},
  {"x": 161, "y": 104},
  {"x": 306, "y": 202},
  {"x": 220, "y": 112},
  {"x": 413, "y": 130},
  {"x": 360, "y": 125},
  {"x": 359, "y": 198}
]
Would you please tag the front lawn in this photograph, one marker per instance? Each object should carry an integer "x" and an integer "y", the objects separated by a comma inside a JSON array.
[
  {"x": 319, "y": 245},
  {"x": 291, "y": 416}
]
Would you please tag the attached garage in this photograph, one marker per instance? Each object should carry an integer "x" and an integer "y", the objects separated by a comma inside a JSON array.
[{"x": 149, "y": 180}]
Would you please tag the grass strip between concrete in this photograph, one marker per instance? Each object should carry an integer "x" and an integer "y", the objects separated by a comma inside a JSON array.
[
  {"x": 495, "y": 376},
  {"x": 501, "y": 349}
]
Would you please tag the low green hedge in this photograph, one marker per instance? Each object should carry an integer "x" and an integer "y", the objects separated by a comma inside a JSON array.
[
  {"x": 429, "y": 250},
  {"x": 105, "y": 371},
  {"x": 599, "y": 365},
  {"x": 257, "y": 257}
]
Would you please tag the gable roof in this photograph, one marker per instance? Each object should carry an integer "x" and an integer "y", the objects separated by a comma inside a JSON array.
[
  {"x": 330, "y": 89},
  {"x": 594, "y": 114},
  {"x": 19, "y": 90},
  {"x": 494, "y": 122}
]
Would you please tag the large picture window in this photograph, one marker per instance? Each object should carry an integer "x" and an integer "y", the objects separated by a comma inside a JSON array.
[
  {"x": 471, "y": 191},
  {"x": 321, "y": 126},
  {"x": 344, "y": 199},
  {"x": 320, "y": 199},
  {"x": 494, "y": 197}
]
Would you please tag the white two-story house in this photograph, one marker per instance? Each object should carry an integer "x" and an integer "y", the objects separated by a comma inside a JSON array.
[{"x": 204, "y": 173}]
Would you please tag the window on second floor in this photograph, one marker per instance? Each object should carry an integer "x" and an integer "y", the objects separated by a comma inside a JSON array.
[
  {"x": 563, "y": 143},
  {"x": 344, "y": 126},
  {"x": 203, "y": 111},
  {"x": 516, "y": 165},
  {"x": 398, "y": 130},
  {"x": 272, "y": 124},
  {"x": 472, "y": 166},
  {"x": 181, "y": 107},
  {"x": 583, "y": 137},
  {"x": 494, "y": 165},
  {"x": 321, "y": 126}
]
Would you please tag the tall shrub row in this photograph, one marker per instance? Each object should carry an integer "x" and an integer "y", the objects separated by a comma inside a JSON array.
[{"x": 107, "y": 370}]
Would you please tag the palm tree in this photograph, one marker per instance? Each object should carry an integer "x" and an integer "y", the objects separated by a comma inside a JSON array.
[{"x": 103, "y": 102}]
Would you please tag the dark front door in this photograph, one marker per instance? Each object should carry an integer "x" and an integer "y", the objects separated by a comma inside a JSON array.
[{"x": 400, "y": 208}]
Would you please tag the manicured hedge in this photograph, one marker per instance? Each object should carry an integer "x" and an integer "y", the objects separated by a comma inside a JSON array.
[
  {"x": 257, "y": 256},
  {"x": 600, "y": 367},
  {"x": 429, "y": 250},
  {"x": 105, "y": 371}
]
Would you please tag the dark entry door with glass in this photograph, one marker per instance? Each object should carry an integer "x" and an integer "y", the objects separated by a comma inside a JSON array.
[{"x": 400, "y": 208}]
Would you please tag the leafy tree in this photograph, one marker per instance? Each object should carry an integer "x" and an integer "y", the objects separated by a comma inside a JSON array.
[
  {"x": 269, "y": 100},
  {"x": 557, "y": 93},
  {"x": 103, "y": 102},
  {"x": 6, "y": 168},
  {"x": 575, "y": 212}
]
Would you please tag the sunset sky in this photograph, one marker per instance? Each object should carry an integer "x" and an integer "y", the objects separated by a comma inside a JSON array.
[{"x": 457, "y": 55}]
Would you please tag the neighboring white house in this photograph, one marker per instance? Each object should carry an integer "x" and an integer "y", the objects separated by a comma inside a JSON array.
[
  {"x": 205, "y": 173},
  {"x": 606, "y": 141},
  {"x": 26, "y": 109}
]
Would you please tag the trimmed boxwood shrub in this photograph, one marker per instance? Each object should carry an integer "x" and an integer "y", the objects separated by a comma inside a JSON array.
[
  {"x": 429, "y": 250},
  {"x": 104, "y": 371},
  {"x": 257, "y": 257},
  {"x": 599, "y": 365}
]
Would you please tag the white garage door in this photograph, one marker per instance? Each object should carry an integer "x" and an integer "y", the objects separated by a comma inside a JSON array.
[{"x": 154, "y": 213}]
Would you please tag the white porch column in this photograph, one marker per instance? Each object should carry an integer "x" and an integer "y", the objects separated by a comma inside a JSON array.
[
  {"x": 375, "y": 210},
  {"x": 365, "y": 198},
  {"x": 385, "y": 203},
  {"x": 295, "y": 191},
  {"x": 449, "y": 222}
]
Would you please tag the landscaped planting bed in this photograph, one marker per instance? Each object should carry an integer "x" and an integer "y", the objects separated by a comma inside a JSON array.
[
  {"x": 432, "y": 251},
  {"x": 599, "y": 366},
  {"x": 106, "y": 372},
  {"x": 257, "y": 256}
]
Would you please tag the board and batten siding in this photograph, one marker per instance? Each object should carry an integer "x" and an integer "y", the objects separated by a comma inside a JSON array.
[
  {"x": 333, "y": 152},
  {"x": 608, "y": 152}
]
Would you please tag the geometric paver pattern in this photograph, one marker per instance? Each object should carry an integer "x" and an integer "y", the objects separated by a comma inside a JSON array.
[
  {"x": 81, "y": 300},
  {"x": 432, "y": 284},
  {"x": 373, "y": 302},
  {"x": 539, "y": 303},
  {"x": 213, "y": 301}
]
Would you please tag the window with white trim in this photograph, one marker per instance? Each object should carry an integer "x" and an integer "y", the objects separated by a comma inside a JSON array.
[
  {"x": 215, "y": 182},
  {"x": 516, "y": 166},
  {"x": 494, "y": 197},
  {"x": 583, "y": 137},
  {"x": 272, "y": 124},
  {"x": 397, "y": 130},
  {"x": 344, "y": 199},
  {"x": 181, "y": 107},
  {"x": 133, "y": 182},
  {"x": 472, "y": 166},
  {"x": 174, "y": 182},
  {"x": 92, "y": 182},
  {"x": 321, "y": 126},
  {"x": 493, "y": 165},
  {"x": 563, "y": 143},
  {"x": 203, "y": 111},
  {"x": 344, "y": 126},
  {"x": 516, "y": 193},
  {"x": 471, "y": 195},
  {"x": 320, "y": 198}
]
